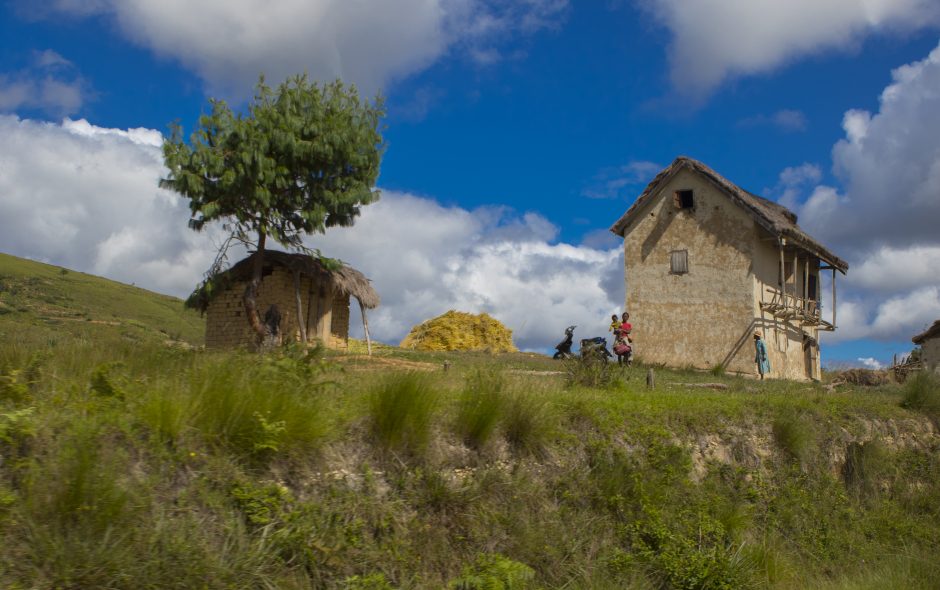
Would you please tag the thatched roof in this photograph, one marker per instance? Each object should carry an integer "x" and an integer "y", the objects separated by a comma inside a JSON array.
[
  {"x": 345, "y": 278},
  {"x": 775, "y": 218},
  {"x": 931, "y": 332}
]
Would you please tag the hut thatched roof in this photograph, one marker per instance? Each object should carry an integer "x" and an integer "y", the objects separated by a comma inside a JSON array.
[
  {"x": 775, "y": 218},
  {"x": 345, "y": 278},
  {"x": 931, "y": 332}
]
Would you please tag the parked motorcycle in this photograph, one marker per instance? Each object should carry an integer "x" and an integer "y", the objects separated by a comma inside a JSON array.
[{"x": 563, "y": 348}]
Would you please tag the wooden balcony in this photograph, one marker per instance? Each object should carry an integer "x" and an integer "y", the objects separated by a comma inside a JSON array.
[{"x": 788, "y": 307}]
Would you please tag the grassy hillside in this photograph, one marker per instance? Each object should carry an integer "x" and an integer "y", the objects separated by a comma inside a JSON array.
[
  {"x": 141, "y": 465},
  {"x": 40, "y": 301}
]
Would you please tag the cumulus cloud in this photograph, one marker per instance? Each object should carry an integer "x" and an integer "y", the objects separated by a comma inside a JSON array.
[
  {"x": 229, "y": 42},
  {"x": 793, "y": 182},
  {"x": 870, "y": 363},
  {"x": 889, "y": 163},
  {"x": 883, "y": 219},
  {"x": 86, "y": 197},
  {"x": 50, "y": 84},
  {"x": 714, "y": 40}
]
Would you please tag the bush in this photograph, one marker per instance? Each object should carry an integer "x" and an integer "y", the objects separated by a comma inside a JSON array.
[{"x": 400, "y": 412}]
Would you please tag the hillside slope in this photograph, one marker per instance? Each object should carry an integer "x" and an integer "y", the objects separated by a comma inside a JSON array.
[{"x": 43, "y": 301}]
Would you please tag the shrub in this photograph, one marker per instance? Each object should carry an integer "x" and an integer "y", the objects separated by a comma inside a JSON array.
[
  {"x": 400, "y": 412},
  {"x": 480, "y": 408}
]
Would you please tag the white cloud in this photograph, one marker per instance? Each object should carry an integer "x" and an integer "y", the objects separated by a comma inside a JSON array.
[
  {"x": 889, "y": 163},
  {"x": 51, "y": 84},
  {"x": 86, "y": 197},
  {"x": 228, "y": 43},
  {"x": 884, "y": 219},
  {"x": 713, "y": 40},
  {"x": 792, "y": 182},
  {"x": 890, "y": 269},
  {"x": 870, "y": 363}
]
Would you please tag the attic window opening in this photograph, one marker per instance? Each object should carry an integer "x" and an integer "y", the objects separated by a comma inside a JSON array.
[
  {"x": 679, "y": 262},
  {"x": 684, "y": 199}
]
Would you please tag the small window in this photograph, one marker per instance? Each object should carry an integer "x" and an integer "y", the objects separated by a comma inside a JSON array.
[
  {"x": 679, "y": 262},
  {"x": 684, "y": 200}
]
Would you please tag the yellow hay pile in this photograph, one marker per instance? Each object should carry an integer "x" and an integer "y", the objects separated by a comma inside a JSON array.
[{"x": 456, "y": 330}]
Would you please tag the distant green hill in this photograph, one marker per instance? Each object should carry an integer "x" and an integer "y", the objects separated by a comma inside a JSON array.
[{"x": 41, "y": 301}]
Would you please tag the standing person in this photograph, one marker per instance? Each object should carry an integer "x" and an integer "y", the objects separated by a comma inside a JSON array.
[
  {"x": 760, "y": 355},
  {"x": 624, "y": 341},
  {"x": 626, "y": 326}
]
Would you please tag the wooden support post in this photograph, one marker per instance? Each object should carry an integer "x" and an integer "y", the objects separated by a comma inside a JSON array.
[
  {"x": 301, "y": 321},
  {"x": 650, "y": 379},
  {"x": 796, "y": 294},
  {"x": 833, "y": 298},
  {"x": 365, "y": 327},
  {"x": 806, "y": 284}
]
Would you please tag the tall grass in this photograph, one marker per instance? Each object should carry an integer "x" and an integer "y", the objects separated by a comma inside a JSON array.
[
  {"x": 401, "y": 410},
  {"x": 529, "y": 421},
  {"x": 254, "y": 410},
  {"x": 922, "y": 392},
  {"x": 480, "y": 407},
  {"x": 795, "y": 435}
]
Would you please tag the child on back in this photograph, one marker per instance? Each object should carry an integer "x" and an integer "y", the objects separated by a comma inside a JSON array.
[{"x": 614, "y": 324}]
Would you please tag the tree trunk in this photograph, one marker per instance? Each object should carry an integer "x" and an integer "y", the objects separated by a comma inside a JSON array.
[
  {"x": 249, "y": 299},
  {"x": 300, "y": 308}
]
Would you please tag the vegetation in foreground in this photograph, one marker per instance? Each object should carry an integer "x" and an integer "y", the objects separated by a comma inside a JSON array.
[{"x": 128, "y": 462}]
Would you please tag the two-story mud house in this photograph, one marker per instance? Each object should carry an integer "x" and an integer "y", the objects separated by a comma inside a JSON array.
[{"x": 707, "y": 264}]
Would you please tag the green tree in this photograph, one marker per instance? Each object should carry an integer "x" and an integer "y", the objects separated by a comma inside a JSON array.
[{"x": 303, "y": 159}]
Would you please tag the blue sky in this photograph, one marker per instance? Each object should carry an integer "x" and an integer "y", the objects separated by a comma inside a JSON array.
[{"x": 517, "y": 132}]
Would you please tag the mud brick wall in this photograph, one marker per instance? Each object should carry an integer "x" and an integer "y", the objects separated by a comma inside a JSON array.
[{"x": 227, "y": 326}]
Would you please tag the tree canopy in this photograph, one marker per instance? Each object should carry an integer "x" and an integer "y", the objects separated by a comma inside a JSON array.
[{"x": 305, "y": 158}]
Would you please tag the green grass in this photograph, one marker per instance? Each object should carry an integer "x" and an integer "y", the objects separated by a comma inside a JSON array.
[
  {"x": 41, "y": 302},
  {"x": 481, "y": 406},
  {"x": 128, "y": 463},
  {"x": 400, "y": 412}
]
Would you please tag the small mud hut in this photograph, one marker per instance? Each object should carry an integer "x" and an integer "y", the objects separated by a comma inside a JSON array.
[{"x": 303, "y": 297}]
